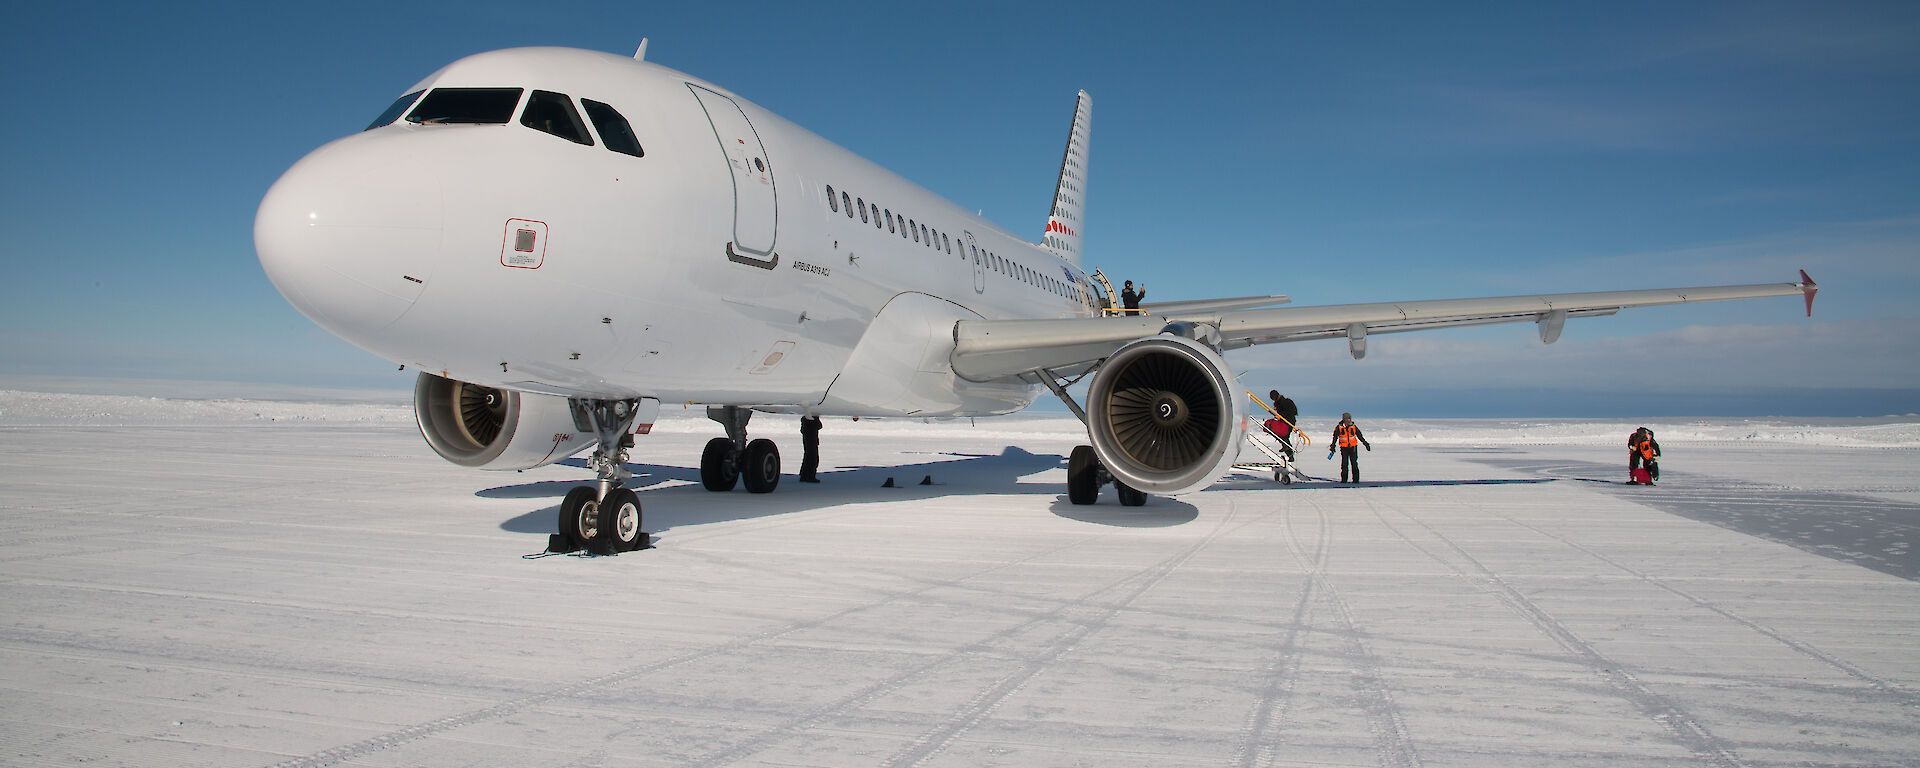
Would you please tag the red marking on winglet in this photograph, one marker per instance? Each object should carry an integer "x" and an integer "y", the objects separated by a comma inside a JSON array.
[{"x": 1809, "y": 288}]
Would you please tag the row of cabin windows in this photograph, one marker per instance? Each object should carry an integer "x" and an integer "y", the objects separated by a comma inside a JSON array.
[
  {"x": 546, "y": 111},
  {"x": 884, "y": 218}
]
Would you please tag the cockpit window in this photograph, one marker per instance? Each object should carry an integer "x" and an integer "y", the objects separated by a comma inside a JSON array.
[
  {"x": 613, "y": 128},
  {"x": 393, "y": 113},
  {"x": 550, "y": 112},
  {"x": 466, "y": 105}
]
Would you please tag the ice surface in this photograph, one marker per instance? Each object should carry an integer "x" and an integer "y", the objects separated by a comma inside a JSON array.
[{"x": 248, "y": 582}]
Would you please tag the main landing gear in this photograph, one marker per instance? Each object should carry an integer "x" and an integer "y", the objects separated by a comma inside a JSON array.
[
  {"x": 603, "y": 518},
  {"x": 1085, "y": 476},
  {"x": 732, "y": 459}
]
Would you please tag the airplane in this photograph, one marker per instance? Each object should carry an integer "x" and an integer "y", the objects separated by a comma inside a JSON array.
[{"x": 560, "y": 240}]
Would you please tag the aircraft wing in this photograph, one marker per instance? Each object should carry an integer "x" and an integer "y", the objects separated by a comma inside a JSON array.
[
  {"x": 1175, "y": 307},
  {"x": 992, "y": 349}
]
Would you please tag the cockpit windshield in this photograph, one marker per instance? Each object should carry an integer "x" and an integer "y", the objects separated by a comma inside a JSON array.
[
  {"x": 550, "y": 112},
  {"x": 613, "y": 128},
  {"x": 466, "y": 105},
  {"x": 393, "y": 112}
]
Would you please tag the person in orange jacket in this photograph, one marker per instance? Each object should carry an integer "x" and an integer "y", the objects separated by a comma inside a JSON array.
[
  {"x": 1645, "y": 450},
  {"x": 1347, "y": 440}
]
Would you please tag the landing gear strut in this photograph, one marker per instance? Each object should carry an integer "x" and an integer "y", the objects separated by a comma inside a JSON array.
[
  {"x": 603, "y": 518},
  {"x": 1084, "y": 473},
  {"x": 728, "y": 460}
]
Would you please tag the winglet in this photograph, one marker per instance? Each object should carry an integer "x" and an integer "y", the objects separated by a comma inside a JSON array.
[
  {"x": 641, "y": 53},
  {"x": 1807, "y": 287}
]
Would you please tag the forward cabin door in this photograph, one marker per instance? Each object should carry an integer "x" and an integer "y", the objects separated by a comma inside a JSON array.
[{"x": 755, "y": 209}]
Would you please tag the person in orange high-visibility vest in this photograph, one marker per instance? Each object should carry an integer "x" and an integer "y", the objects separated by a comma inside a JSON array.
[
  {"x": 1347, "y": 440},
  {"x": 1648, "y": 450}
]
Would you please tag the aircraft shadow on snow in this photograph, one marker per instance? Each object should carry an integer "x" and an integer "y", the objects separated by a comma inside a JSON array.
[
  {"x": 953, "y": 474},
  {"x": 1244, "y": 482}
]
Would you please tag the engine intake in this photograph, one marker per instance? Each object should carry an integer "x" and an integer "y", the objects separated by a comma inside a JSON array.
[
  {"x": 1162, "y": 415},
  {"x": 487, "y": 428}
]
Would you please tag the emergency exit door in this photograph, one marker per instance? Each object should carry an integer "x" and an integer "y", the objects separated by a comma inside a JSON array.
[
  {"x": 979, "y": 264},
  {"x": 755, "y": 207}
]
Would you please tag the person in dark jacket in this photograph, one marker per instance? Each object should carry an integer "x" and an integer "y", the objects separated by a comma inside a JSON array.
[
  {"x": 1633, "y": 451},
  {"x": 809, "y": 448},
  {"x": 1647, "y": 451},
  {"x": 1130, "y": 299},
  {"x": 1283, "y": 427},
  {"x": 1347, "y": 440}
]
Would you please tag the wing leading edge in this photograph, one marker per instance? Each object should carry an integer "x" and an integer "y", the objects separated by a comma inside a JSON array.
[{"x": 992, "y": 349}]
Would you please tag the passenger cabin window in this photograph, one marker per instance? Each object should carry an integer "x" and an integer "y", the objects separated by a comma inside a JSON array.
[
  {"x": 549, "y": 112},
  {"x": 846, "y": 201},
  {"x": 394, "y": 112},
  {"x": 466, "y": 105},
  {"x": 832, "y": 202},
  {"x": 613, "y": 127},
  {"x": 863, "y": 209}
]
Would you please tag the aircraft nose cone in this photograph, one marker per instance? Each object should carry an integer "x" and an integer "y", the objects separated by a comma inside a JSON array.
[{"x": 350, "y": 235}]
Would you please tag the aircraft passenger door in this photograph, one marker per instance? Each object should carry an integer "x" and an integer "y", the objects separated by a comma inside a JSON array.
[
  {"x": 755, "y": 212},
  {"x": 979, "y": 265}
]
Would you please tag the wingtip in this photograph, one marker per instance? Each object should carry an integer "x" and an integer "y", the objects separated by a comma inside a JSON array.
[{"x": 1808, "y": 287}]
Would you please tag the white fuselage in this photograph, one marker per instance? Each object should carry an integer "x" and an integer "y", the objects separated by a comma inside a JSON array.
[{"x": 709, "y": 270}]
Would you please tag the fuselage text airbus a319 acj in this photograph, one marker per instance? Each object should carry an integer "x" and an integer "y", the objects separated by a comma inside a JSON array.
[{"x": 563, "y": 239}]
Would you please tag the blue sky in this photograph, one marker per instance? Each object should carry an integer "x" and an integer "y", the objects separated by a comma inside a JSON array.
[{"x": 1333, "y": 152}]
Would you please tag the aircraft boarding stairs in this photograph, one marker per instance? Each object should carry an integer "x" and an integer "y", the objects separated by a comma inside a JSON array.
[{"x": 1268, "y": 444}]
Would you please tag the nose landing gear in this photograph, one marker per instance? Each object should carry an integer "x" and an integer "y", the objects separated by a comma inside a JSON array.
[{"x": 604, "y": 518}]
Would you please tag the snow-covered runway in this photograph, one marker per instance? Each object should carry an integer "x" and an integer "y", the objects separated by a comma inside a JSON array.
[{"x": 246, "y": 583}]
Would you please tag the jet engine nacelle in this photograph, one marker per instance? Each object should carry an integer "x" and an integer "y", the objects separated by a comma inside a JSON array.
[
  {"x": 1163, "y": 415},
  {"x": 486, "y": 428}
]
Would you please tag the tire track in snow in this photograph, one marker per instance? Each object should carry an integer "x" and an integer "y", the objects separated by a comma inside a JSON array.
[
  {"x": 1385, "y": 722},
  {"x": 1682, "y": 725},
  {"x": 1259, "y": 740},
  {"x": 1889, "y": 691},
  {"x": 1732, "y": 492},
  {"x": 988, "y": 699},
  {"x": 419, "y": 731},
  {"x": 872, "y": 692}
]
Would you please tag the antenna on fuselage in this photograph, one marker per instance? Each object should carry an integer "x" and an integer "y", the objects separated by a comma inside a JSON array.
[{"x": 641, "y": 53}]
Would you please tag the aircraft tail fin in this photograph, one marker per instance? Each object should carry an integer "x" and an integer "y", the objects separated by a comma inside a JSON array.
[{"x": 1070, "y": 191}]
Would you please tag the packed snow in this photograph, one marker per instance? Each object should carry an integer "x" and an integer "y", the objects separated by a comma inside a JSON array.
[{"x": 301, "y": 582}]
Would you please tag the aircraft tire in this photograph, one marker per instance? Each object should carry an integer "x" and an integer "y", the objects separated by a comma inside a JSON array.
[
  {"x": 760, "y": 466},
  {"x": 1083, "y": 475},
  {"x": 1128, "y": 496},
  {"x": 719, "y": 472},
  {"x": 579, "y": 517},
  {"x": 618, "y": 523}
]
